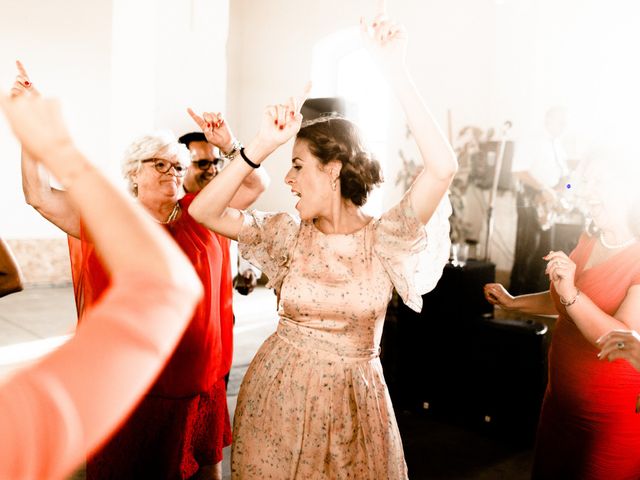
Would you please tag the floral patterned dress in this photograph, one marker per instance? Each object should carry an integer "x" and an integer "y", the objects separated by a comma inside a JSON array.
[{"x": 314, "y": 403}]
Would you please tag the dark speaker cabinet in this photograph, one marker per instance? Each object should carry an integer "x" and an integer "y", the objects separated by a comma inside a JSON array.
[{"x": 456, "y": 362}]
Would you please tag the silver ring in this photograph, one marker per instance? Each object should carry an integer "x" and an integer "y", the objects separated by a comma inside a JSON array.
[{"x": 620, "y": 345}]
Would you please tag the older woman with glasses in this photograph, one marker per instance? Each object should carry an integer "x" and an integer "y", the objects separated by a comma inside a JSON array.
[{"x": 182, "y": 424}]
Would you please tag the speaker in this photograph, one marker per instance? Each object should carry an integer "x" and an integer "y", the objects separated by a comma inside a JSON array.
[
  {"x": 483, "y": 165},
  {"x": 564, "y": 236},
  {"x": 454, "y": 362},
  {"x": 459, "y": 292}
]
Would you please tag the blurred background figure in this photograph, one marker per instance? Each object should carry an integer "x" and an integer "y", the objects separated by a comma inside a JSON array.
[{"x": 543, "y": 198}]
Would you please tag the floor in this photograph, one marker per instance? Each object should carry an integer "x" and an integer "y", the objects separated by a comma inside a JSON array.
[{"x": 39, "y": 319}]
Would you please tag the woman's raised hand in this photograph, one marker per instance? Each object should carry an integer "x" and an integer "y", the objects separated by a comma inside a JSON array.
[
  {"x": 23, "y": 84},
  {"x": 386, "y": 40},
  {"x": 561, "y": 271},
  {"x": 281, "y": 122},
  {"x": 215, "y": 128},
  {"x": 496, "y": 294}
]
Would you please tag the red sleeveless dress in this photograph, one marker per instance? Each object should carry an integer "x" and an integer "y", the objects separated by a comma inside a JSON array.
[
  {"x": 183, "y": 422},
  {"x": 589, "y": 428}
]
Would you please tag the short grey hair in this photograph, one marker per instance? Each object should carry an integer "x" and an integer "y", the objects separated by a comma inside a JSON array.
[{"x": 162, "y": 143}]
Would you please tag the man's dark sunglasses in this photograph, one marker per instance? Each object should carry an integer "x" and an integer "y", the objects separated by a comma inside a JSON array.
[{"x": 205, "y": 164}]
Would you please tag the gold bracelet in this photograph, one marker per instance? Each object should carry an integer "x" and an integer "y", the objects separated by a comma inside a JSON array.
[
  {"x": 572, "y": 301},
  {"x": 235, "y": 149}
]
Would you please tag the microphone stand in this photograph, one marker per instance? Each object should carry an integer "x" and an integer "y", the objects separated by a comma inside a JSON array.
[{"x": 494, "y": 187}]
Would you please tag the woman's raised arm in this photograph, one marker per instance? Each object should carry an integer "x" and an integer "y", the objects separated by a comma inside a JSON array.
[{"x": 387, "y": 41}]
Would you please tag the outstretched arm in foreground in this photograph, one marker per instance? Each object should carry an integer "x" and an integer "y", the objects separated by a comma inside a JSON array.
[{"x": 60, "y": 410}]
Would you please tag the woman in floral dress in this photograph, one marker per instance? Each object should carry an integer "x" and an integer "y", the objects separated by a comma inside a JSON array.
[{"x": 314, "y": 403}]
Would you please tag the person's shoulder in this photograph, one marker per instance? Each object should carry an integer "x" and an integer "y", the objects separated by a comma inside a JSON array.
[{"x": 274, "y": 218}]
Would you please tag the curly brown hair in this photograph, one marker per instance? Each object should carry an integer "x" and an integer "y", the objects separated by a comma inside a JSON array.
[{"x": 336, "y": 138}]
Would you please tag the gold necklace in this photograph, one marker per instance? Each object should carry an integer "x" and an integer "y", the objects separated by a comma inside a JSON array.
[{"x": 172, "y": 216}]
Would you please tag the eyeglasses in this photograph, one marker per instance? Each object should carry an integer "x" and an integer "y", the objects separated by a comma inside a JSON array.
[
  {"x": 204, "y": 164},
  {"x": 164, "y": 166}
]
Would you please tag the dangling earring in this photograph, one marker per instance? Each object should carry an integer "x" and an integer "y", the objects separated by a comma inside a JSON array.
[
  {"x": 333, "y": 184},
  {"x": 135, "y": 189}
]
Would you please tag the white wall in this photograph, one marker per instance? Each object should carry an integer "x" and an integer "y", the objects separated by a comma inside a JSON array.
[
  {"x": 485, "y": 61},
  {"x": 270, "y": 45},
  {"x": 121, "y": 68},
  {"x": 65, "y": 46}
]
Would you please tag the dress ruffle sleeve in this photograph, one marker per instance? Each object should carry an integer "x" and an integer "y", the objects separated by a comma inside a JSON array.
[
  {"x": 413, "y": 254},
  {"x": 267, "y": 240}
]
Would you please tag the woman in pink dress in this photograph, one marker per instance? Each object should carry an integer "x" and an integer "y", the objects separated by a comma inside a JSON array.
[
  {"x": 313, "y": 403},
  {"x": 589, "y": 424},
  {"x": 66, "y": 406}
]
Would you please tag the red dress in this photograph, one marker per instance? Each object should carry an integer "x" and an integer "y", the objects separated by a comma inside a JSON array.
[
  {"x": 589, "y": 428},
  {"x": 183, "y": 422}
]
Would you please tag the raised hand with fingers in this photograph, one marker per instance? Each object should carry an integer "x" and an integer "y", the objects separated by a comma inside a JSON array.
[
  {"x": 385, "y": 39},
  {"x": 281, "y": 122},
  {"x": 215, "y": 128},
  {"x": 561, "y": 271},
  {"x": 23, "y": 84},
  {"x": 620, "y": 344},
  {"x": 497, "y": 295}
]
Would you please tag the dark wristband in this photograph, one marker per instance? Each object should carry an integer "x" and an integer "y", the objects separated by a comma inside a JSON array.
[{"x": 246, "y": 159}]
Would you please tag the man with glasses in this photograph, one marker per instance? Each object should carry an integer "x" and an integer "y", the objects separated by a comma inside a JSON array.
[{"x": 206, "y": 162}]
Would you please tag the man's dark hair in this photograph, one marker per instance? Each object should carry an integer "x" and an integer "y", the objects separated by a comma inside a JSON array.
[{"x": 187, "y": 138}]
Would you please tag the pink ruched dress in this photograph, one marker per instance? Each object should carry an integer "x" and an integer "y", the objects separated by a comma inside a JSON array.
[{"x": 314, "y": 403}]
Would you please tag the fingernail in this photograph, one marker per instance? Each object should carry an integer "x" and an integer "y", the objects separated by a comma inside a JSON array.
[
  {"x": 292, "y": 114},
  {"x": 275, "y": 122},
  {"x": 281, "y": 127},
  {"x": 27, "y": 83}
]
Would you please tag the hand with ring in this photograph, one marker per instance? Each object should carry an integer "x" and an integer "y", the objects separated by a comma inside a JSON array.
[{"x": 620, "y": 344}]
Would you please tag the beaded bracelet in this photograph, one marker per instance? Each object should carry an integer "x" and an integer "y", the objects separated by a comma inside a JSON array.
[{"x": 572, "y": 301}]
